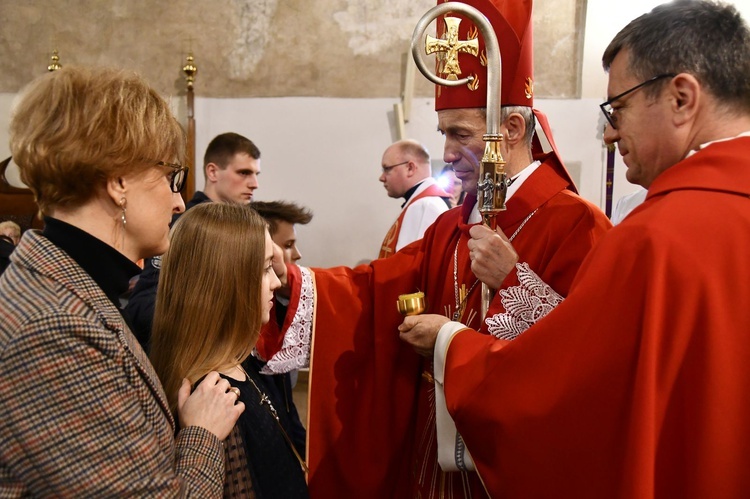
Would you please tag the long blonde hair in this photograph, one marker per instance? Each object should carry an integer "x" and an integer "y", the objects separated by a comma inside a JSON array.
[{"x": 208, "y": 306}]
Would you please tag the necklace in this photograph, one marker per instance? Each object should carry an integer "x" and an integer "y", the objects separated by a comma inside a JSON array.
[
  {"x": 460, "y": 300},
  {"x": 464, "y": 295},
  {"x": 265, "y": 401}
]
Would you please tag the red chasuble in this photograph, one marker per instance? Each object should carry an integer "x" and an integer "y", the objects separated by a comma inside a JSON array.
[
  {"x": 388, "y": 248},
  {"x": 371, "y": 431},
  {"x": 638, "y": 384}
]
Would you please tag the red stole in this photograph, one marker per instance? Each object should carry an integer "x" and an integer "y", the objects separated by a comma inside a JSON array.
[{"x": 388, "y": 248}]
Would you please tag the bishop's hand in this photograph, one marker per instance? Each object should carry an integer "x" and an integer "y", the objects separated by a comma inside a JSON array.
[
  {"x": 420, "y": 331},
  {"x": 492, "y": 255}
]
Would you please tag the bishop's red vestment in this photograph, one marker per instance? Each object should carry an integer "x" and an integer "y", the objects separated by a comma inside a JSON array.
[
  {"x": 638, "y": 384},
  {"x": 371, "y": 415}
]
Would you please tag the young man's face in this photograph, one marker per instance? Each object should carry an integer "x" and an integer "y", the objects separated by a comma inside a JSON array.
[
  {"x": 236, "y": 182},
  {"x": 269, "y": 281},
  {"x": 286, "y": 237}
]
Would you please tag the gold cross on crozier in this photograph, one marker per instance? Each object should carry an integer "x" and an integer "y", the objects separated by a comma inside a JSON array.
[{"x": 450, "y": 45}]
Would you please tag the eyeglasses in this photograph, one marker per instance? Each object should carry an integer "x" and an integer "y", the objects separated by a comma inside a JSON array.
[
  {"x": 177, "y": 177},
  {"x": 606, "y": 107},
  {"x": 387, "y": 169}
]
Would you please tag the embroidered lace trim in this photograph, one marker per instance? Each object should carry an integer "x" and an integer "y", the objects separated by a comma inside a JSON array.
[
  {"x": 524, "y": 305},
  {"x": 295, "y": 349}
]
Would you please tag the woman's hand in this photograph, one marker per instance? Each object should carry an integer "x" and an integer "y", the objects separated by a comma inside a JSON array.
[{"x": 213, "y": 405}]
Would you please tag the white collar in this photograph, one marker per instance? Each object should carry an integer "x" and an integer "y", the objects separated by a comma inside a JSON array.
[
  {"x": 422, "y": 185},
  {"x": 520, "y": 178},
  {"x": 703, "y": 146}
]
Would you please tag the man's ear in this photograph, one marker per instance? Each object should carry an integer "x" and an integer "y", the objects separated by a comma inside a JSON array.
[
  {"x": 211, "y": 169},
  {"x": 411, "y": 168},
  {"x": 685, "y": 95},
  {"x": 516, "y": 127}
]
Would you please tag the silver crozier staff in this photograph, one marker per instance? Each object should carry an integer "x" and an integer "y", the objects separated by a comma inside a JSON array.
[{"x": 491, "y": 188}]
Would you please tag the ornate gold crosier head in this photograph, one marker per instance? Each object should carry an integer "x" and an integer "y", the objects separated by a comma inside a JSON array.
[{"x": 491, "y": 188}]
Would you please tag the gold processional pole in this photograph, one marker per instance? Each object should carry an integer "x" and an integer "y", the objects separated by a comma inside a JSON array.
[
  {"x": 190, "y": 69},
  {"x": 491, "y": 187}
]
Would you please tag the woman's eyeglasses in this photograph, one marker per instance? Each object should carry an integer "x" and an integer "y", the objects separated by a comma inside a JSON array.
[{"x": 177, "y": 176}]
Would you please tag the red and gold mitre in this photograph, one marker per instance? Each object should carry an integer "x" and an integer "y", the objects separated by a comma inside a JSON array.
[
  {"x": 511, "y": 21},
  {"x": 512, "y": 24}
]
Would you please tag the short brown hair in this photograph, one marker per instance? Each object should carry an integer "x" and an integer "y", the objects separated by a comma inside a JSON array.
[
  {"x": 225, "y": 146},
  {"x": 275, "y": 211},
  {"x": 208, "y": 310},
  {"x": 706, "y": 39},
  {"x": 77, "y": 127}
]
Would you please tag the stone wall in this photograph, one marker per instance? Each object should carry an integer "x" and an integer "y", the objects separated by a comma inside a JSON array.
[{"x": 259, "y": 48}]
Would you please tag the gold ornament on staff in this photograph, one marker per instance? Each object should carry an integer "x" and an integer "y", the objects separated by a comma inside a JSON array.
[
  {"x": 492, "y": 186},
  {"x": 190, "y": 70},
  {"x": 54, "y": 64}
]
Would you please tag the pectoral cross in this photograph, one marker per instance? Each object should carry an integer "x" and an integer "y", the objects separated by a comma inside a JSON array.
[
  {"x": 462, "y": 291},
  {"x": 450, "y": 45}
]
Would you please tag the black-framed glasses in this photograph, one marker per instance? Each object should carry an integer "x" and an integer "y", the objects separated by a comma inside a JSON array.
[
  {"x": 177, "y": 176},
  {"x": 387, "y": 169},
  {"x": 606, "y": 107}
]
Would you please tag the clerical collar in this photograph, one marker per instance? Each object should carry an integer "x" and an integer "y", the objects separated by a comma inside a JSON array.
[
  {"x": 703, "y": 146},
  {"x": 110, "y": 269},
  {"x": 519, "y": 178},
  {"x": 514, "y": 183},
  {"x": 408, "y": 194}
]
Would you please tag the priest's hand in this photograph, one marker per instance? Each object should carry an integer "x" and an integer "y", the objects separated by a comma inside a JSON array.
[
  {"x": 420, "y": 331},
  {"x": 492, "y": 255}
]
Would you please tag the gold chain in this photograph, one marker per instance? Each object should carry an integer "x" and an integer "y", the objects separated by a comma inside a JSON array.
[{"x": 460, "y": 302}]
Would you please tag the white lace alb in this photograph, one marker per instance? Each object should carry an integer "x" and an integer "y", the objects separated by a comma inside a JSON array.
[
  {"x": 295, "y": 349},
  {"x": 524, "y": 305}
]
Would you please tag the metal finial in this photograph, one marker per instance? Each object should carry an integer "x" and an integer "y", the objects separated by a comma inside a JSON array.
[
  {"x": 54, "y": 62},
  {"x": 190, "y": 69}
]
